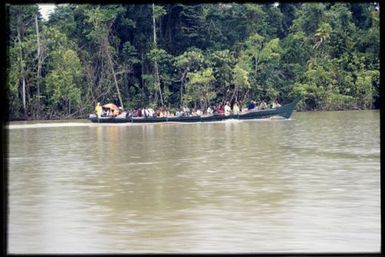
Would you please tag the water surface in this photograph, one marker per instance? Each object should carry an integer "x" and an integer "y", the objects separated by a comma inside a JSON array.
[{"x": 308, "y": 184}]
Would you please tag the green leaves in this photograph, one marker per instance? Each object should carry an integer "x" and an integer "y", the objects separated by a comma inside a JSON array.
[
  {"x": 202, "y": 77},
  {"x": 198, "y": 86},
  {"x": 130, "y": 54},
  {"x": 241, "y": 77},
  {"x": 62, "y": 81},
  {"x": 364, "y": 87},
  {"x": 101, "y": 18},
  {"x": 271, "y": 50},
  {"x": 322, "y": 34},
  {"x": 158, "y": 55},
  {"x": 159, "y": 11},
  {"x": 189, "y": 60}
]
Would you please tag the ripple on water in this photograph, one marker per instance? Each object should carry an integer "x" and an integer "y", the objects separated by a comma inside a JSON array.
[{"x": 253, "y": 186}]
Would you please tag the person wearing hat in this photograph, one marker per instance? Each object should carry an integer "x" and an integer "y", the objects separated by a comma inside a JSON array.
[{"x": 98, "y": 110}]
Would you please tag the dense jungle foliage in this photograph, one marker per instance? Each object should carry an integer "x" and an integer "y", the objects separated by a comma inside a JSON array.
[{"x": 197, "y": 54}]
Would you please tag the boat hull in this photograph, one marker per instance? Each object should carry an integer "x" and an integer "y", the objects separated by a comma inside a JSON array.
[{"x": 284, "y": 111}]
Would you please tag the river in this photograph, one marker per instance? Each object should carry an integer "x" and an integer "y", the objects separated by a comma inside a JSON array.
[{"x": 304, "y": 185}]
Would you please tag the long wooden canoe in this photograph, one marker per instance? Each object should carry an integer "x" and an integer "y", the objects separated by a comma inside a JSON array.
[{"x": 284, "y": 111}]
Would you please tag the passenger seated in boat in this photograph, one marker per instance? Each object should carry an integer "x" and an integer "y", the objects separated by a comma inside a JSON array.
[
  {"x": 122, "y": 114},
  {"x": 137, "y": 113},
  {"x": 187, "y": 111},
  {"x": 150, "y": 112},
  {"x": 210, "y": 110},
  {"x": 276, "y": 103},
  {"x": 263, "y": 105},
  {"x": 199, "y": 112},
  {"x": 130, "y": 114},
  {"x": 236, "y": 108},
  {"x": 220, "y": 109},
  {"x": 251, "y": 105},
  {"x": 227, "y": 109},
  {"x": 144, "y": 112},
  {"x": 170, "y": 113},
  {"x": 182, "y": 113},
  {"x": 103, "y": 114}
]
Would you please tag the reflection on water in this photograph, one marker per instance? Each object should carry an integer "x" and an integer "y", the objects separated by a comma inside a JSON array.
[{"x": 309, "y": 184}]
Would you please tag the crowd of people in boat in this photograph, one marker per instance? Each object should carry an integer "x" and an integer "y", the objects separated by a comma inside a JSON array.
[{"x": 219, "y": 109}]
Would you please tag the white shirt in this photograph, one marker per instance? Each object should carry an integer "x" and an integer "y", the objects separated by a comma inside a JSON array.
[{"x": 227, "y": 110}]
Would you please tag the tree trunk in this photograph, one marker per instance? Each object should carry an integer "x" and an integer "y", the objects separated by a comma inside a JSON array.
[
  {"x": 168, "y": 33},
  {"x": 113, "y": 73},
  {"x": 22, "y": 72},
  {"x": 38, "y": 66},
  {"x": 155, "y": 62},
  {"x": 181, "y": 86},
  {"x": 235, "y": 94},
  {"x": 181, "y": 93},
  {"x": 142, "y": 69},
  {"x": 90, "y": 83},
  {"x": 158, "y": 82},
  {"x": 244, "y": 97},
  {"x": 24, "y": 103}
]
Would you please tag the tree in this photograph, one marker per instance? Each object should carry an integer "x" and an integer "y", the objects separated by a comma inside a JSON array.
[
  {"x": 261, "y": 59},
  {"x": 190, "y": 60},
  {"x": 240, "y": 81},
  {"x": 39, "y": 57},
  {"x": 22, "y": 19},
  {"x": 102, "y": 19},
  {"x": 222, "y": 63},
  {"x": 157, "y": 12},
  {"x": 62, "y": 81},
  {"x": 161, "y": 76},
  {"x": 199, "y": 92}
]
